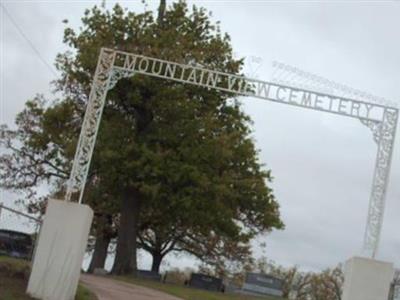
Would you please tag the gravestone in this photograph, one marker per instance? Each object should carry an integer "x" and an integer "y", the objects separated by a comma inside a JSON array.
[
  {"x": 262, "y": 284},
  {"x": 148, "y": 275},
  {"x": 205, "y": 282}
]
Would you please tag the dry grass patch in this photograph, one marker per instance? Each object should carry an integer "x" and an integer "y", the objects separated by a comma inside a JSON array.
[{"x": 14, "y": 276}]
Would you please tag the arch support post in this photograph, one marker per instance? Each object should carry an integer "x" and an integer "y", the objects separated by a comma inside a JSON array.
[
  {"x": 384, "y": 135},
  {"x": 91, "y": 122}
]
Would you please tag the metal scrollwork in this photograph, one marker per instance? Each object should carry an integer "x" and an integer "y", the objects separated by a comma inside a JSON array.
[
  {"x": 375, "y": 127},
  {"x": 384, "y": 135},
  {"x": 108, "y": 72},
  {"x": 90, "y": 124},
  {"x": 117, "y": 74}
]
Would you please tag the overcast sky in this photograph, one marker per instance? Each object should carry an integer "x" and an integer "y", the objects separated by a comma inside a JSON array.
[{"x": 322, "y": 164}]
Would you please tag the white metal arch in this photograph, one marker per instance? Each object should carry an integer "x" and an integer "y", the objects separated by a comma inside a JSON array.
[{"x": 114, "y": 65}]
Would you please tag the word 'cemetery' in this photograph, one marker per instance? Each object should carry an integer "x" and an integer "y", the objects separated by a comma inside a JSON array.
[{"x": 244, "y": 86}]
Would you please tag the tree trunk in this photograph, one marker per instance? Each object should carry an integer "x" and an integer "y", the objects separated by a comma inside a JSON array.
[
  {"x": 125, "y": 257},
  {"x": 161, "y": 11},
  {"x": 157, "y": 259},
  {"x": 104, "y": 234},
  {"x": 100, "y": 252}
]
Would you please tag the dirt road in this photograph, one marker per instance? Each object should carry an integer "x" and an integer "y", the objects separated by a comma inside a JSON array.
[{"x": 108, "y": 289}]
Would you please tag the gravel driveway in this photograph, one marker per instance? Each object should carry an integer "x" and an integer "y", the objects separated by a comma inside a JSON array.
[{"x": 109, "y": 289}]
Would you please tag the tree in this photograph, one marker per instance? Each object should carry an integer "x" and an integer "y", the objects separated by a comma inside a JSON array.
[
  {"x": 175, "y": 141},
  {"x": 163, "y": 147},
  {"x": 328, "y": 284},
  {"x": 298, "y": 285},
  {"x": 39, "y": 152},
  {"x": 104, "y": 226},
  {"x": 220, "y": 251}
]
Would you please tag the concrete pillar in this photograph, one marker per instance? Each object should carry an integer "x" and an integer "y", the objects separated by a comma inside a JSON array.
[
  {"x": 367, "y": 279},
  {"x": 60, "y": 251}
]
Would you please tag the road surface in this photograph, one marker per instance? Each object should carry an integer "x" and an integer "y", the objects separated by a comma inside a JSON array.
[{"x": 109, "y": 289}]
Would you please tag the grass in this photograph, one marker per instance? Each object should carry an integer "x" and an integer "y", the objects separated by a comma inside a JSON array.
[
  {"x": 188, "y": 293},
  {"x": 84, "y": 294},
  {"x": 14, "y": 275}
]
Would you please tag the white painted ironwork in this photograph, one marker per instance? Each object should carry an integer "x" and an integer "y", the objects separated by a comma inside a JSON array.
[
  {"x": 296, "y": 77},
  {"x": 114, "y": 65},
  {"x": 91, "y": 122},
  {"x": 384, "y": 136}
]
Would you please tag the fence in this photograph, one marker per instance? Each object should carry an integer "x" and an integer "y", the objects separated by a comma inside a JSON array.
[{"x": 18, "y": 233}]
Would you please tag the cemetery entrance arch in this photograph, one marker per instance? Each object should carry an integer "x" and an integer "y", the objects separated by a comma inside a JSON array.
[{"x": 114, "y": 65}]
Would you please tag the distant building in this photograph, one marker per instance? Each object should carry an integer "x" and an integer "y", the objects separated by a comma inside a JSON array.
[{"x": 261, "y": 284}]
